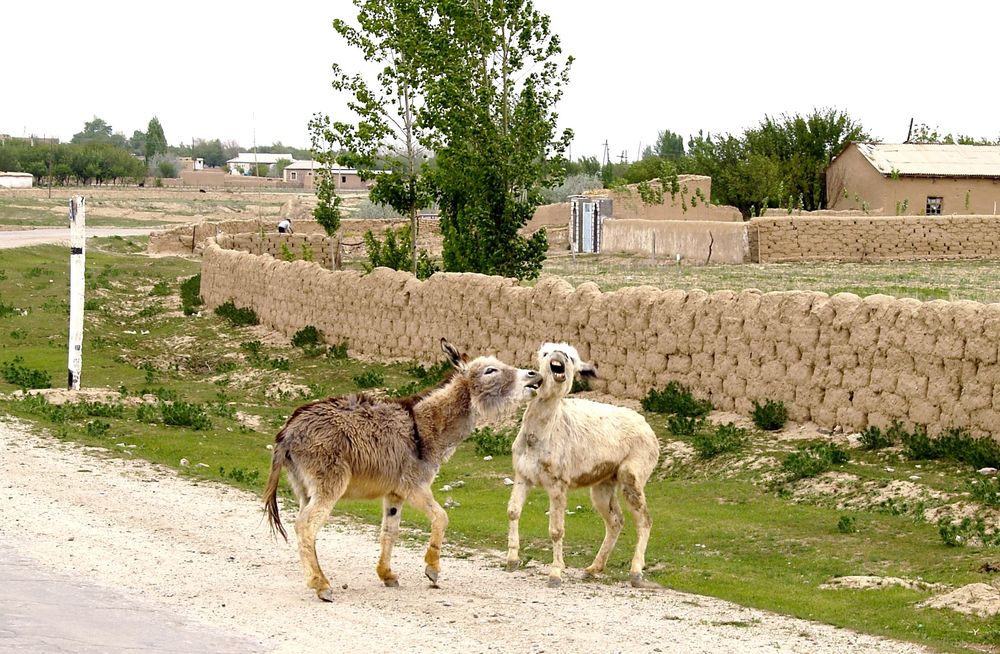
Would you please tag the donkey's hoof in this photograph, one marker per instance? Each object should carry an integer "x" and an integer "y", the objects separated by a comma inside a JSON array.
[
  {"x": 637, "y": 581},
  {"x": 391, "y": 583},
  {"x": 432, "y": 574},
  {"x": 590, "y": 575},
  {"x": 326, "y": 594},
  {"x": 555, "y": 582},
  {"x": 513, "y": 565}
]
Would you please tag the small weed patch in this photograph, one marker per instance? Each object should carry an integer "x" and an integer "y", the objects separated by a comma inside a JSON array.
[
  {"x": 185, "y": 414},
  {"x": 770, "y": 416},
  {"x": 722, "y": 439},
  {"x": 954, "y": 444},
  {"x": 677, "y": 400},
  {"x": 237, "y": 317},
  {"x": 96, "y": 428},
  {"x": 160, "y": 289},
  {"x": 846, "y": 525},
  {"x": 307, "y": 336},
  {"x": 338, "y": 350},
  {"x": 7, "y": 310},
  {"x": 685, "y": 425},
  {"x": 369, "y": 379},
  {"x": 813, "y": 460},
  {"x": 22, "y": 376},
  {"x": 191, "y": 295},
  {"x": 241, "y": 476},
  {"x": 493, "y": 442}
]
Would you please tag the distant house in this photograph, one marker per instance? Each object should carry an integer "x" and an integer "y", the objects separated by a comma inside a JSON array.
[
  {"x": 304, "y": 173},
  {"x": 191, "y": 163},
  {"x": 245, "y": 162},
  {"x": 16, "y": 180},
  {"x": 915, "y": 179}
]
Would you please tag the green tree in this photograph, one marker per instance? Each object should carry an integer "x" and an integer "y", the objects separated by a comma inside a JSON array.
[
  {"x": 156, "y": 142},
  {"x": 279, "y": 166},
  {"x": 668, "y": 146},
  {"x": 492, "y": 81},
  {"x": 385, "y": 143},
  {"x": 94, "y": 131}
]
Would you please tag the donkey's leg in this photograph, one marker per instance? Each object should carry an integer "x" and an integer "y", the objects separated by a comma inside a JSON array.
[
  {"x": 423, "y": 499},
  {"x": 557, "y": 528},
  {"x": 605, "y": 500},
  {"x": 635, "y": 497},
  {"x": 392, "y": 508},
  {"x": 308, "y": 523},
  {"x": 518, "y": 495}
]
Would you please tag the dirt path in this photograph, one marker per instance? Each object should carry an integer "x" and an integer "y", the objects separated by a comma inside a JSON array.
[
  {"x": 202, "y": 550},
  {"x": 46, "y": 235}
]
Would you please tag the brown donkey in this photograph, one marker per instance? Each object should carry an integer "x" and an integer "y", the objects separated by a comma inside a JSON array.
[{"x": 358, "y": 447}]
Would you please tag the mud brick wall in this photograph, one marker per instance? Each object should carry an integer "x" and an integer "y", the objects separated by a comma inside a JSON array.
[
  {"x": 873, "y": 238},
  {"x": 193, "y": 237},
  {"x": 838, "y": 360}
]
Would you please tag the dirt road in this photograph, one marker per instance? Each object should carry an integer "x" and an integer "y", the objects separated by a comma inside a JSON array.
[
  {"x": 45, "y": 235},
  {"x": 202, "y": 551}
]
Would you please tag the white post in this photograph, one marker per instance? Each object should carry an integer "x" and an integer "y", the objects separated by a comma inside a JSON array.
[{"x": 77, "y": 262}]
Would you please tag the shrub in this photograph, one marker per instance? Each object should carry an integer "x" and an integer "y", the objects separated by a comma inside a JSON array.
[
  {"x": 160, "y": 289},
  {"x": 147, "y": 413},
  {"x": 675, "y": 399},
  {"x": 956, "y": 444},
  {"x": 338, "y": 350},
  {"x": 814, "y": 460},
  {"x": 580, "y": 385},
  {"x": 7, "y": 310},
  {"x": 22, "y": 376},
  {"x": 191, "y": 295},
  {"x": 241, "y": 476},
  {"x": 307, "y": 336},
  {"x": 684, "y": 425},
  {"x": 770, "y": 416},
  {"x": 185, "y": 414},
  {"x": 846, "y": 525},
  {"x": 986, "y": 490},
  {"x": 237, "y": 317},
  {"x": 493, "y": 442},
  {"x": 724, "y": 438},
  {"x": 96, "y": 428},
  {"x": 369, "y": 379},
  {"x": 434, "y": 374},
  {"x": 872, "y": 438}
]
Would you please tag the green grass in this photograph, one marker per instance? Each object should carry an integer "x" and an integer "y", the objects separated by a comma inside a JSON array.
[{"x": 718, "y": 529}]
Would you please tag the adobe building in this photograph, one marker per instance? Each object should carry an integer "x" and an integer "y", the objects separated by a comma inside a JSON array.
[
  {"x": 915, "y": 179},
  {"x": 304, "y": 174}
]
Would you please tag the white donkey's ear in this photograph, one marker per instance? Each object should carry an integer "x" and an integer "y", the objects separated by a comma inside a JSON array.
[
  {"x": 587, "y": 370},
  {"x": 456, "y": 358}
]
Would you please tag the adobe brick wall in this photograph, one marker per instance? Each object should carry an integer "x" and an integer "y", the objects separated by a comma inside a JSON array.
[
  {"x": 697, "y": 241},
  {"x": 873, "y": 238},
  {"x": 834, "y": 360}
]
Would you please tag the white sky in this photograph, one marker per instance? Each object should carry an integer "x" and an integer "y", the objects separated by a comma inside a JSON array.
[{"x": 233, "y": 70}]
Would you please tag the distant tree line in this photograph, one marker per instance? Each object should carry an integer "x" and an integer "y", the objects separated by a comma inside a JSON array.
[
  {"x": 779, "y": 163},
  {"x": 74, "y": 163}
]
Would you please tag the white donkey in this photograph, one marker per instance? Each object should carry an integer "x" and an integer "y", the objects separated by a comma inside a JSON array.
[{"x": 569, "y": 443}]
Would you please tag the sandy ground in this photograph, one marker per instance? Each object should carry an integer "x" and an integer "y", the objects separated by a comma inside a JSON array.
[
  {"x": 47, "y": 235},
  {"x": 202, "y": 551}
]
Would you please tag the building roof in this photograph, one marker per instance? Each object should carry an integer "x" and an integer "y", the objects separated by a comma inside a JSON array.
[
  {"x": 10, "y": 173},
  {"x": 304, "y": 164},
  {"x": 259, "y": 158},
  {"x": 933, "y": 159}
]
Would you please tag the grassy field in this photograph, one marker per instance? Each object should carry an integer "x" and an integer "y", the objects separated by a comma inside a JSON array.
[{"x": 732, "y": 526}]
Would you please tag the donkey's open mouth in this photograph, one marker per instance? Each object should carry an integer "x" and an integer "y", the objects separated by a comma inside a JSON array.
[
  {"x": 558, "y": 369},
  {"x": 535, "y": 380}
]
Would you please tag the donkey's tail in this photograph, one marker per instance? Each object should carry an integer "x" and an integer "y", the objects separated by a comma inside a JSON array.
[{"x": 271, "y": 492}]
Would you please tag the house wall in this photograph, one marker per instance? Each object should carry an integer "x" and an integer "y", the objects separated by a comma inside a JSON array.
[
  {"x": 853, "y": 172},
  {"x": 16, "y": 181},
  {"x": 686, "y": 204},
  {"x": 838, "y": 360},
  {"x": 696, "y": 241},
  {"x": 873, "y": 238}
]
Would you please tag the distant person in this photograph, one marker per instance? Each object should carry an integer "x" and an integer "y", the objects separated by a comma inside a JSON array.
[{"x": 285, "y": 226}]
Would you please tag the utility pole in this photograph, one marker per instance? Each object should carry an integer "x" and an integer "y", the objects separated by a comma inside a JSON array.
[{"x": 77, "y": 263}]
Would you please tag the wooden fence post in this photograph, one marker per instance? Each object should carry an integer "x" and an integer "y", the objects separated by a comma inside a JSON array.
[{"x": 77, "y": 264}]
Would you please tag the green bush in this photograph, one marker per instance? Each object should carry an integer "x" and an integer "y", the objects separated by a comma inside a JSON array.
[
  {"x": 724, "y": 438},
  {"x": 580, "y": 385},
  {"x": 813, "y": 460},
  {"x": 191, "y": 295},
  {"x": 955, "y": 444},
  {"x": 675, "y": 399},
  {"x": 369, "y": 379},
  {"x": 985, "y": 490},
  {"x": 307, "y": 336},
  {"x": 148, "y": 413},
  {"x": 685, "y": 425},
  {"x": 770, "y": 416},
  {"x": 338, "y": 350},
  {"x": 493, "y": 442},
  {"x": 160, "y": 289},
  {"x": 96, "y": 428},
  {"x": 7, "y": 310},
  {"x": 237, "y": 317},
  {"x": 22, "y": 376},
  {"x": 846, "y": 525},
  {"x": 185, "y": 414}
]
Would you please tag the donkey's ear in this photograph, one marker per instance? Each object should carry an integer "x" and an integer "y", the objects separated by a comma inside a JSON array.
[
  {"x": 456, "y": 358},
  {"x": 587, "y": 370}
]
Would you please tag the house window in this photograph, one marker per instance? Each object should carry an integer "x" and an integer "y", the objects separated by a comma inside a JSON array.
[
  {"x": 343, "y": 179},
  {"x": 934, "y": 206},
  {"x": 291, "y": 174}
]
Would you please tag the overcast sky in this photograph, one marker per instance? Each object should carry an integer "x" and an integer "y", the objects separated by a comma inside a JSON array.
[{"x": 253, "y": 69}]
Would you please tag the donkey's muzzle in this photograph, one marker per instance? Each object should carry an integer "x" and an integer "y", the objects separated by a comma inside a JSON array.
[{"x": 558, "y": 367}]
